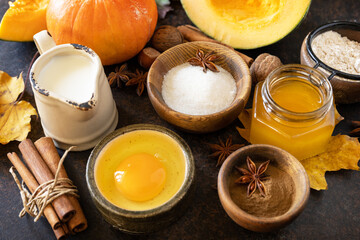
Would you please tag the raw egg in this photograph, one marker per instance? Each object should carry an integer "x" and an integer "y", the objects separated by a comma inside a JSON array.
[
  {"x": 140, "y": 170},
  {"x": 140, "y": 177}
]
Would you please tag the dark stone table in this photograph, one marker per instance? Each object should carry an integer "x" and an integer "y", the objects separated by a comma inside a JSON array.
[{"x": 330, "y": 214}]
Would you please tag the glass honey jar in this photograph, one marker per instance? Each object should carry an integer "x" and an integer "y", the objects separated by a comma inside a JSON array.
[{"x": 293, "y": 109}]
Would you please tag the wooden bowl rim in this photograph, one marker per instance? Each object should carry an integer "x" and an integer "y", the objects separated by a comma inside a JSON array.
[
  {"x": 237, "y": 100},
  {"x": 297, "y": 205}
]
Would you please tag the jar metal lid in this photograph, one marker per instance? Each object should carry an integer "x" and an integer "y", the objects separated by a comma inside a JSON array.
[{"x": 327, "y": 27}]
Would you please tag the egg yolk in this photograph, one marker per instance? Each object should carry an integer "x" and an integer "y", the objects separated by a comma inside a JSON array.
[{"x": 140, "y": 177}]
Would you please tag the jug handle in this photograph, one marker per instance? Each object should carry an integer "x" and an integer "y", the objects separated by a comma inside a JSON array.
[{"x": 43, "y": 41}]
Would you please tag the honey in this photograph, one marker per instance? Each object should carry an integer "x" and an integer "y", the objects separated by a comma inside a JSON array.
[
  {"x": 293, "y": 109},
  {"x": 140, "y": 170}
]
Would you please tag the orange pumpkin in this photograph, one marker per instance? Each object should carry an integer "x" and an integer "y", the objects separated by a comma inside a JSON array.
[{"x": 115, "y": 29}]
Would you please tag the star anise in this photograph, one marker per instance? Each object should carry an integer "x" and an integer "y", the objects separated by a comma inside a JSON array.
[
  {"x": 204, "y": 60},
  {"x": 120, "y": 75},
  {"x": 253, "y": 177},
  {"x": 222, "y": 151},
  {"x": 138, "y": 78},
  {"x": 356, "y": 131}
]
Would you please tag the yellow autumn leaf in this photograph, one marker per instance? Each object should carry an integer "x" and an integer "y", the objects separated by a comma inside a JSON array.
[
  {"x": 342, "y": 152},
  {"x": 15, "y": 116},
  {"x": 338, "y": 117},
  {"x": 245, "y": 119}
]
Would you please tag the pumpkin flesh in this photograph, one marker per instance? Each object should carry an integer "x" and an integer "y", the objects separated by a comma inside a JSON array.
[
  {"x": 246, "y": 24},
  {"x": 23, "y": 19},
  {"x": 116, "y": 30}
]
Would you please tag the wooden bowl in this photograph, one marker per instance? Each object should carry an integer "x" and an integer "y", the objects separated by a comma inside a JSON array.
[
  {"x": 149, "y": 220},
  {"x": 179, "y": 54},
  {"x": 346, "y": 86},
  {"x": 292, "y": 176}
]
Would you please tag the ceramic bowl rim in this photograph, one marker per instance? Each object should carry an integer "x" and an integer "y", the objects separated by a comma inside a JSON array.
[
  {"x": 234, "y": 104},
  {"x": 297, "y": 205},
  {"x": 180, "y": 194}
]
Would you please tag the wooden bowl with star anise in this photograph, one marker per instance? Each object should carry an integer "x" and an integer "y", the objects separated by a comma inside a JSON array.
[
  {"x": 225, "y": 58},
  {"x": 263, "y": 188}
]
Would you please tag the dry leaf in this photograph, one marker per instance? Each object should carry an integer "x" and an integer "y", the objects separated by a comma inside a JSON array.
[
  {"x": 343, "y": 152},
  {"x": 245, "y": 119},
  {"x": 338, "y": 117},
  {"x": 15, "y": 116}
]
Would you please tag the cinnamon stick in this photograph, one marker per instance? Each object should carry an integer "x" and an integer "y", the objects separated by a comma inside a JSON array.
[
  {"x": 48, "y": 152},
  {"x": 32, "y": 184},
  {"x": 42, "y": 173},
  {"x": 147, "y": 56},
  {"x": 60, "y": 234},
  {"x": 192, "y": 34},
  {"x": 65, "y": 228}
]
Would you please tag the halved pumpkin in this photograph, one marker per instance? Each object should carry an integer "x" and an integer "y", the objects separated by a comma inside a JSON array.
[
  {"x": 23, "y": 19},
  {"x": 246, "y": 24}
]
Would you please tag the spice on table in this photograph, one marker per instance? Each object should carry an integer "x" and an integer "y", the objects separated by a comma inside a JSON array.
[
  {"x": 253, "y": 177},
  {"x": 147, "y": 56},
  {"x": 139, "y": 79},
  {"x": 204, "y": 60},
  {"x": 119, "y": 75},
  {"x": 62, "y": 205},
  {"x": 263, "y": 65},
  {"x": 356, "y": 131},
  {"x": 222, "y": 151},
  {"x": 187, "y": 89},
  {"x": 32, "y": 185},
  {"x": 165, "y": 37},
  {"x": 56, "y": 197},
  {"x": 48, "y": 152}
]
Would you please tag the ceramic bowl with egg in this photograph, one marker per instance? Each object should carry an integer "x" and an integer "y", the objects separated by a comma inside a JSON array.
[
  {"x": 140, "y": 177},
  {"x": 346, "y": 84},
  {"x": 286, "y": 189},
  {"x": 175, "y": 56}
]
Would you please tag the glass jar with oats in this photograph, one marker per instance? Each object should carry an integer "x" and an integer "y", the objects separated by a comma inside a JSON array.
[{"x": 293, "y": 109}]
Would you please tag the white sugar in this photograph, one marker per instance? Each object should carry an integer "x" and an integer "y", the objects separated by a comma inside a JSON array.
[{"x": 187, "y": 89}]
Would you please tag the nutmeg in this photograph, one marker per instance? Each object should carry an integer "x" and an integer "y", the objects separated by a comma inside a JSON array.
[
  {"x": 264, "y": 64},
  {"x": 165, "y": 37}
]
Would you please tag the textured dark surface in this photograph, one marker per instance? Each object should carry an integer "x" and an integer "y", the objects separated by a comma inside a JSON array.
[{"x": 331, "y": 214}]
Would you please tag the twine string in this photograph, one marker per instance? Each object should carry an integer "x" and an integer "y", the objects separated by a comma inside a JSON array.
[{"x": 34, "y": 204}]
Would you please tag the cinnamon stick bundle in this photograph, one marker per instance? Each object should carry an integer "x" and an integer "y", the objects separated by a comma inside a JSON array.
[
  {"x": 60, "y": 234},
  {"x": 48, "y": 152},
  {"x": 32, "y": 184},
  {"x": 65, "y": 228},
  {"x": 192, "y": 33},
  {"x": 42, "y": 173}
]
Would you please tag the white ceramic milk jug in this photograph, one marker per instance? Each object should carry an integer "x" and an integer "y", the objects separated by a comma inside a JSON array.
[{"x": 72, "y": 94}]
